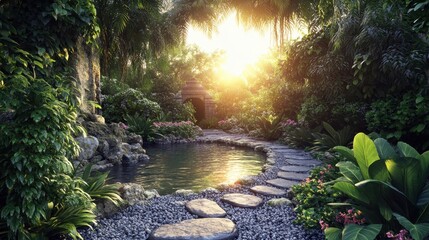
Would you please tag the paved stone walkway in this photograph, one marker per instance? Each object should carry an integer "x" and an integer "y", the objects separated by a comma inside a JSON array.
[{"x": 290, "y": 165}]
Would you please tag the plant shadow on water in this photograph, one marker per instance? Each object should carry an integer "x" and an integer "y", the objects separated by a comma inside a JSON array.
[{"x": 190, "y": 166}]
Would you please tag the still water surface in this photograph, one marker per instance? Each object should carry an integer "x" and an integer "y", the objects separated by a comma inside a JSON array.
[{"x": 190, "y": 166}]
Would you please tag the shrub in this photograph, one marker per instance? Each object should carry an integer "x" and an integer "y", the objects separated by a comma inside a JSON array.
[
  {"x": 130, "y": 102},
  {"x": 209, "y": 123},
  {"x": 403, "y": 118},
  {"x": 183, "y": 129},
  {"x": 228, "y": 124},
  {"x": 312, "y": 197},
  {"x": 111, "y": 86},
  {"x": 174, "y": 110}
]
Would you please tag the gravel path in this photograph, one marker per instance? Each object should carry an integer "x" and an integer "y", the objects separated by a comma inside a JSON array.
[{"x": 264, "y": 222}]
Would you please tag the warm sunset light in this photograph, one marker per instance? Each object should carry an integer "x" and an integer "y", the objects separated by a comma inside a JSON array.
[{"x": 242, "y": 46}]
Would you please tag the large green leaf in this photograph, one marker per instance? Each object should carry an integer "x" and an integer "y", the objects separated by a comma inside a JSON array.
[
  {"x": 378, "y": 170},
  {"x": 333, "y": 233},
  {"x": 345, "y": 152},
  {"x": 425, "y": 164},
  {"x": 352, "y": 191},
  {"x": 361, "y": 232},
  {"x": 406, "y": 175},
  {"x": 350, "y": 171},
  {"x": 418, "y": 231},
  {"x": 424, "y": 196},
  {"x": 408, "y": 151},
  {"x": 365, "y": 153},
  {"x": 384, "y": 149}
]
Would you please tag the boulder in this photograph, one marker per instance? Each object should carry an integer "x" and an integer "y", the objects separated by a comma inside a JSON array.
[
  {"x": 103, "y": 148},
  {"x": 88, "y": 146},
  {"x": 132, "y": 193}
]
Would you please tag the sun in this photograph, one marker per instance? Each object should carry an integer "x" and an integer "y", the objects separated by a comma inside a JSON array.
[{"x": 242, "y": 46}]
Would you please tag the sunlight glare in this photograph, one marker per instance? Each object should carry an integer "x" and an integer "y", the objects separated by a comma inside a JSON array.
[{"x": 242, "y": 46}]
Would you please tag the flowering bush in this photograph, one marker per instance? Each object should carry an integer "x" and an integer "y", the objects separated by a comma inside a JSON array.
[
  {"x": 183, "y": 129},
  {"x": 228, "y": 124},
  {"x": 312, "y": 197}
]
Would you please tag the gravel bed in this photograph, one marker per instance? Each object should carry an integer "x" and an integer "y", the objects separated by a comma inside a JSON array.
[{"x": 264, "y": 222}]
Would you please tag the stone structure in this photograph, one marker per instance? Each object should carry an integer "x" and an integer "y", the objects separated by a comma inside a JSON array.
[
  {"x": 195, "y": 93},
  {"x": 86, "y": 62}
]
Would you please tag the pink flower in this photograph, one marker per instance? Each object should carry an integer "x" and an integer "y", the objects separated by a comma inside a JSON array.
[{"x": 323, "y": 225}]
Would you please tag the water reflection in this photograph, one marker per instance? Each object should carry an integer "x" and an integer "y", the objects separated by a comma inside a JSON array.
[{"x": 190, "y": 166}]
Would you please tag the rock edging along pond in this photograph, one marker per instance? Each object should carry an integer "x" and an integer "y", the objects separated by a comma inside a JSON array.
[{"x": 266, "y": 221}]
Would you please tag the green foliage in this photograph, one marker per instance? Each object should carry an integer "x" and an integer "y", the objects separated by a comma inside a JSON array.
[
  {"x": 313, "y": 196},
  {"x": 209, "y": 123},
  {"x": 111, "y": 86},
  {"x": 181, "y": 130},
  {"x": 333, "y": 138},
  {"x": 300, "y": 137},
  {"x": 142, "y": 126},
  {"x": 403, "y": 118},
  {"x": 382, "y": 181},
  {"x": 354, "y": 231},
  {"x": 95, "y": 186},
  {"x": 173, "y": 109},
  {"x": 37, "y": 90},
  {"x": 131, "y": 102},
  {"x": 270, "y": 127}
]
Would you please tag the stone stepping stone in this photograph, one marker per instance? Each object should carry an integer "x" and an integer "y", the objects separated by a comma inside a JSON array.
[
  {"x": 197, "y": 229},
  {"x": 293, "y": 175},
  {"x": 291, "y": 168},
  {"x": 268, "y": 191},
  {"x": 281, "y": 183},
  {"x": 242, "y": 200},
  {"x": 298, "y": 157},
  {"x": 205, "y": 208},
  {"x": 309, "y": 163}
]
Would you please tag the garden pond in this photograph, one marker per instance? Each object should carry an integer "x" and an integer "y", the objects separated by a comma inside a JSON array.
[{"x": 190, "y": 166}]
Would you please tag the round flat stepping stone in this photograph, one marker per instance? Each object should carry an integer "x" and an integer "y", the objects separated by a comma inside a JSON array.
[
  {"x": 268, "y": 191},
  {"x": 197, "y": 229},
  {"x": 291, "y": 168},
  {"x": 205, "y": 208},
  {"x": 242, "y": 200},
  {"x": 309, "y": 163},
  {"x": 281, "y": 183},
  {"x": 293, "y": 175}
]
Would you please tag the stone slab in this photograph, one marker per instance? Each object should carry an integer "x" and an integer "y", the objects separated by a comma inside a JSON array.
[
  {"x": 205, "y": 208},
  {"x": 242, "y": 200},
  {"x": 309, "y": 163},
  {"x": 293, "y": 175},
  {"x": 268, "y": 191},
  {"x": 298, "y": 157},
  {"x": 292, "y": 168},
  {"x": 197, "y": 229},
  {"x": 281, "y": 183}
]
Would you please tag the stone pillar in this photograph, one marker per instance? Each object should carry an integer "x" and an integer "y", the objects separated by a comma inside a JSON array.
[{"x": 86, "y": 63}]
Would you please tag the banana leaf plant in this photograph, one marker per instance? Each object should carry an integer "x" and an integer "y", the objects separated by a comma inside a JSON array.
[{"x": 388, "y": 184}]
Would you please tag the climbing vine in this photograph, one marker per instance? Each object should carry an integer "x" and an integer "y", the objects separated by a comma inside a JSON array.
[{"x": 38, "y": 100}]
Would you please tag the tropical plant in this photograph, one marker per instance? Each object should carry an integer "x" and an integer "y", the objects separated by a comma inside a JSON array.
[
  {"x": 270, "y": 127},
  {"x": 333, "y": 138},
  {"x": 96, "y": 187},
  {"x": 142, "y": 126},
  {"x": 388, "y": 185},
  {"x": 300, "y": 136}
]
